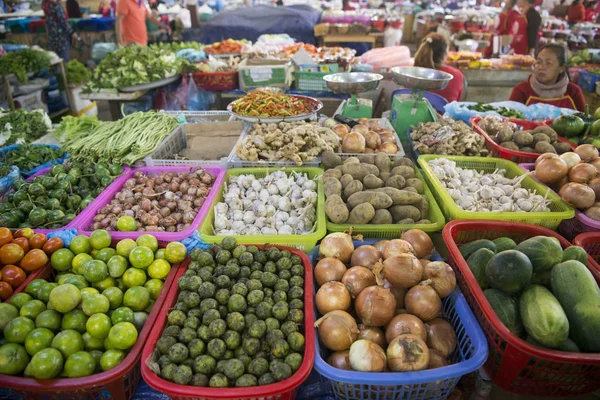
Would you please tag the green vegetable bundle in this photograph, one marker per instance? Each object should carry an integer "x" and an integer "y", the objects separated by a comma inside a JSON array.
[
  {"x": 71, "y": 128},
  {"x": 77, "y": 73},
  {"x": 504, "y": 111},
  {"x": 124, "y": 141},
  {"x": 20, "y": 126},
  {"x": 28, "y": 157},
  {"x": 21, "y": 62}
]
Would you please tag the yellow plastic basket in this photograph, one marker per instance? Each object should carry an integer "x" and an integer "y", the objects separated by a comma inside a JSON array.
[
  {"x": 301, "y": 242},
  {"x": 392, "y": 231},
  {"x": 551, "y": 220}
]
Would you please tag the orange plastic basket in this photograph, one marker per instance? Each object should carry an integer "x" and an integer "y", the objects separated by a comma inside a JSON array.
[
  {"x": 590, "y": 241},
  {"x": 119, "y": 382},
  {"x": 513, "y": 155},
  {"x": 513, "y": 364},
  {"x": 212, "y": 81},
  {"x": 284, "y": 390}
]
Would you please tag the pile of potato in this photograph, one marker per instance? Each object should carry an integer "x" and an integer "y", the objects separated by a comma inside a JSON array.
[{"x": 373, "y": 190}]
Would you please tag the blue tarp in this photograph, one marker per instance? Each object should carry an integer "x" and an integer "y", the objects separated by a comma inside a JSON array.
[{"x": 251, "y": 22}]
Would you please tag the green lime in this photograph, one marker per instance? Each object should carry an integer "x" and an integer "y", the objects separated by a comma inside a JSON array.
[
  {"x": 45, "y": 364},
  {"x": 33, "y": 286},
  {"x": 159, "y": 269},
  {"x": 32, "y": 309},
  {"x": 91, "y": 343},
  {"x": 114, "y": 296},
  {"x": 117, "y": 265},
  {"x": 78, "y": 261},
  {"x": 61, "y": 259},
  {"x": 105, "y": 254},
  {"x": 95, "y": 270},
  {"x": 122, "y": 314},
  {"x": 98, "y": 326},
  {"x": 80, "y": 364},
  {"x": 80, "y": 244},
  {"x": 21, "y": 298},
  {"x": 49, "y": 319},
  {"x": 111, "y": 358},
  {"x": 74, "y": 319},
  {"x": 134, "y": 277},
  {"x": 105, "y": 283},
  {"x": 161, "y": 254},
  {"x": 148, "y": 308},
  {"x": 68, "y": 342},
  {"x": 100, "y": 239},
  {"x": 123, "y": 335},
  {"x": 95, "y": 303},
  {"x": 44, "y": 291},
  {"x": 8, "y": 312},
  {"x": 176, "y": 252},
  {"x": 97, "y": 354},
  {"x": 17, "y": 330},
  {"x": 77, "y": 280},
  {"x": 139, "y": 319},
  {"x": 126, "y": 224},
  {"x": 148, "y": 241},
  {"x": 13, "y": 359},
  {"x": 87, "y": 291},
  {"x": 107, "y": 344},
  {"x": 154, "y": 286},
  {"x": 38, "y": 339},
  {"x": 125, "y": 246},
  {"x": 141, "y": 257},
  {"x": 136, "y": 298},
  {"x": 65, "y": 297}
]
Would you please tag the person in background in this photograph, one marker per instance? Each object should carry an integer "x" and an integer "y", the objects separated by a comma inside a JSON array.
[
  {"x": 432, "y": 54},
  {"x": 549, "y": 82},
  {"x": 60, "y": 32},
  {"x": 104, "y": 9},
  {"x": 590, "y": 11},
  {"x": 526, "y": 28},
  {"x": 506, "y": 20},
  {"x": 131, "y": 22},
  {"x": 73, "y": 10},
  {"x": 576, "y": 12},
  {"x": 560, "y": 10}
]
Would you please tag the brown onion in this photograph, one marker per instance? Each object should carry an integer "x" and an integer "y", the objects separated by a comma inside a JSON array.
[
  {"x": 400, "y": 310},
  {"x": 388, "y": 138},
  {"x": 407, "y": 353},
  {"x": 545, "y": 156},
  {"x": 397, "y": 246},
  {"x": 353, "y": 142},
  {"x": 375, "y": 306},
  {"x": 443, "y": 279},
  {"x": 402, "y": 270},
  {"x": 399, "y": 293},
  {"x": 593, "y": 213},
  {"x": 424, "y": 262},
  {"x": 582, "y": 173},
  {"x": 381, "y": 245},
  {"x": 365, "y": 256},
  {"x": 372, "y": 139},
  {"x": 373, "y": 334},
  {"x": 578, "y": 195},
  {"x": 332, "y": 296},
  {"x": 358, "y": 279},
  {"x": 551, "y": 170},
  {"x": 587, "y": 152},
  {"x": 367, "y": 356},
  {"x": 441, "y": 336},
  {"x": 329, "y": 269},
  {"x": 423, "y": 301},
  {"x": 341, "y": 130},
  {"x": 405, "y": 323},
  {"x": 596, "y": 164},
  {"x": 594, "y": 184},
  {"x": 436, "y": 359},
  {"x": 388, "y": 148},
  {"x": 337, "y": 330},
  {"x": 363, "y": 130},
  {"x": 340, "y": 360},
  {"x": 338, "y": 245},
  {"x": 420, "y": 241},
  {"x": 570, "y": 158}
]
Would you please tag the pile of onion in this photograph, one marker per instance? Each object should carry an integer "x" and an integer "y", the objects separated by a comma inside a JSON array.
[
  {"x": 382, "y": 304},
  {"x": 366, "y": 137}
]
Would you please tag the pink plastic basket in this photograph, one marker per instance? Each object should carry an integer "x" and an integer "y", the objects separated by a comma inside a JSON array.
[
  {"x": 570, "y": 228},
  {"x": 83, "y": 224},
  {"x": 119, "y": 181}
]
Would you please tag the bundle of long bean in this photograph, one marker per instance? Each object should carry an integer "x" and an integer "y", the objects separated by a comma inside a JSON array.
[{"x": 124, "y": 141}]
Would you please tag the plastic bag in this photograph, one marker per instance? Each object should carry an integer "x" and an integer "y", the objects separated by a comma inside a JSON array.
[
  {"x": 194, "y": 242},
  {"x": 7, "y": 181},
  {"x": 188, "y": 96},
  {"x": 534, "y": 112},
  {"x": 442, "y": 134},
  {"x": 66, "y": 235},
  {"x": 101, "y": 50}
]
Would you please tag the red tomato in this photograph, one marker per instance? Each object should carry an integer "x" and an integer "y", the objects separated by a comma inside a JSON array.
[
  {"x": 13, "y": 275},
  {"x": 38, "y": 241},
  {"x": 52, "y": 245},
  {"x": 5, "y": 236},
  {"x": 23, "y": 242},
  {"x": 5, "y": 290},
  {"x": 33, "y": 260},
  {"x": 11, "y": 253},
  {"x": 25, "y": 232}
]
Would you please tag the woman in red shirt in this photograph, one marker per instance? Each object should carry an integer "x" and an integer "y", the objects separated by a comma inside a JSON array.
[
  {"x": 506, "y": 20},
  {"x": 432, "y": 54},
  {"x": 576, "y": 12},
  {"x": 549, "y": 82}
]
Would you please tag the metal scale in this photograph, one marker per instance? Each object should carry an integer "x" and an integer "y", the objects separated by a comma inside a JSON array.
[{"x": 353, "y": 83}]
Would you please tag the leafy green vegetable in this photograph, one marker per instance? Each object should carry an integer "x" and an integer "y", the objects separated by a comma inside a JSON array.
[
  {"x": 21, "y": 62},
  {"x": 5, "y": 170},
  {"x": 504, "y": 111},
  {"x": 77, "y": 73},
  {"x": 71, "y": 128},
  {"x": 20, "y": 126},
  {"x": 28, "y": 157}
]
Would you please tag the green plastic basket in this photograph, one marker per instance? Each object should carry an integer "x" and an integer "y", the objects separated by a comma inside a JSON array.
[
  {"x": 301, "y": 242},
  {"x": 310, "y": 81},
  {"x": 551, "y": 220},
  {"x": 262, "y": 75},
  {"x": 393, "y": 231}
]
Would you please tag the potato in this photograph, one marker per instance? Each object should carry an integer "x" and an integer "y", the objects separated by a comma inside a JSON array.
[
  {"x": 401, "y": 212},
  {"x": 406, "y": 221},
  {"x": 561, "y": 147},
  {"x": 332, "y": 173},
  {"x": 404, "y": 161},
  {"x": 367, "y": 159},
  {"x": 382, "y": 162},
  {"x": 423, "y": 206},
  {"x": 332, "y": 186},
  {"x": 544, "y": 147},
  {"x": 377, "y": 200},
  {"x": 382, "y": 216},
  {"x": 330, "y": 159},
  {"x": 361, "y": 214},
  {"x": 417, "y": 184},
  {"x": 411, "y": 189},
  {"x": 423, "y": 222},
  {"x": 336, "y": 209},
  {"x": 403, "y": 170},
  {"x": 372, "y": 182},
  {"x": 384, "y": 175},
  {"x": 359, "y": 171},
  {"x": 395, "y": 181},
  {"x": 345, "y": 180},
  {"x": 400, "y": 197},
  {"x": 353, "y": 187},
  {"x": 340, "y": 168},
  {"x": 352, "y": 160}
]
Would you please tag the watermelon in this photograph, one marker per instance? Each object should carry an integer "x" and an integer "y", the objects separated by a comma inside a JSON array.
[
  {"x": 575, "y": 253},
  {"x": 543, "y": 252},
  {"x": 469, "y": 248},
  {"x": 506, "y": 309},
  {"x": 543, "y": 317},
  {"x": 504, "y": 243},
  {"x": 477, "y": 263},
  {"x": 568, "y": 125},
  {"x": 509, "y": 271}
]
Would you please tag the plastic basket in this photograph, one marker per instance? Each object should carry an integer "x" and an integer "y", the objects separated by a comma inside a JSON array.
[
  {"x": 83, "y": 224},
  {"x": 308, "y": 81},
  {"x": 590, "y": 242},
  {"x": 119, "y": 382},
  {"x": 559, "y": 209},
  {"x": 302, "y": 242},
  {"x": 513, "y": 155},
  {"x": 587, "y": 81},
  {"x": 283, "y": 390},
  {"x": 27, "y": 174},
  {"x": 570, "y": 228},
  {"x": 433, "y": 384},
  {"x": 391, "y": 231},
  {"x": 263, "y": 75},
  {"x": 100, "y": 199},
  {"x": 216, "y": 80},
  {"x": 513, "y": 364}
]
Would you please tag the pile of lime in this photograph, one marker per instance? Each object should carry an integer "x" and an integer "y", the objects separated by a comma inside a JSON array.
[{"x": 89, "y": 317}]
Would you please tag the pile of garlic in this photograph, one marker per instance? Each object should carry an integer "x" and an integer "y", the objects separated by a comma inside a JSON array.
[
  {"x": 484, "y": 192},
  {"x": 278, "y": 204}
]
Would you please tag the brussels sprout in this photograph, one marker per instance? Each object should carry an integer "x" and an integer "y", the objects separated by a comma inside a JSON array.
[
  {"x": 246, "y": 259},
  {"x": 232, "y": 270},
  {"x": 296, "y": 341},
  {"x": 273, "y": 336},
  {"x": 234, "y": 368},
  {"x": 245, "y": 358},
  {"x": 250, "y": 318},
  {"x": 236, "y": 303},
  {"x": 191, "y": 322},
  {"x": 294, "y": 360},
  {"x": 218, "y": 381},
  {"x": 204, "y": 364},
  {"x": 246, "y": 380},
  {"x": 285, "y": 275},
  {"x": 206, "y": 290},
  {"x": 258, "y": 367},
  {"x": 296, "y": 316},
  {"x": 257, "y": 329},
  {"x": 178, "y": 352},
  {"x": 217, "y": 328},
  {"x": 272, "y": 324},
  {"x": 280, "y": 348},
  {"x": 232, "y": 339},
  {"x": 200, "y": 380},
  {"x": 222, "y": 256},
  {"x": 223, "y": 281},
  {"x": 297, "y": 281},
  {"x": 164, "y": 344},
  {"x": 208, "y": 304},
  {"x": 297, "y": 270},
  {"x": 255, "y": 297},
  {"x": 289, "y": 327},
  {"x": 269, "y": 279},
  {"x": 263, "y": 310},
  {"x": 238, "y": 251},
  {"x": 295, "y": 292},
  {"x": 196, "y": 348},
  {"x": 236, "y": 321},
  {"x": 216, "y": 348},
  {"x": 204, "y": 333},
  {"x": 210, "y": 316},
  {"x": 228, "y": 243},
  {"x": 296, "y": 304},
  {"x": 176, "y": 317},
  {"x": 251, "y": 345},
  {"x": 172, "y": 330},
  {"x": 254, "y": 284},
  {"x": 239, "y": 288},
  {"x": 270, "y": 266},
  {"x": 266, "y": 379},
  {"x": 280, "y": 310},
  {"x": 279, "y": 295},
  {"x": 168, "y": 372},
  {"x": 280, "y": 370}
]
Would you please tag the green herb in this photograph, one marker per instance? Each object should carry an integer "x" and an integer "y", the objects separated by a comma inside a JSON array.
[
  {"x": 5, "y": 170},
  {"x": 20, "y": 126},
  {"x": 504, "y": 111},
  {"x": 77, "y": 73},
  {"x": 28, "y": 157},
  {"x": 70, "y": 128},
  {"x": 21, "y": 62}
]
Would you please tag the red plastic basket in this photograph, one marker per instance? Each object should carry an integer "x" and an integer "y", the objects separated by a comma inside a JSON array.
[
  {"x": 284, "y": 390},
  {"x": 590, "y": 242},
  {"x": 516, "y": 156},
  {"x": 119, "y": 382},
  {"x": 513, "y": 364},
  {"x": 216, "y": 80}
]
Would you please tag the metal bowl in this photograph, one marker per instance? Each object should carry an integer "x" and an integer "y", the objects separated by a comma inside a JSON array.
[
  {"x": 316, "y": 106},
  {"x": 421, "y": 78},
  {"x": 352, "y": 82}
]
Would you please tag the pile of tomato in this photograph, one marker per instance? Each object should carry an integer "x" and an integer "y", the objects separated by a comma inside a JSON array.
[{"x": 20, "y": 254}]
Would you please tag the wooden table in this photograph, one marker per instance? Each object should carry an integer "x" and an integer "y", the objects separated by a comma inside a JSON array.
[{"x": 375, "y": 39}]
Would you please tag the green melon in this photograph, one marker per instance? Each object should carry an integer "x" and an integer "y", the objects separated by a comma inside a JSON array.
[
  {"x": 575, "y": 253},
  {"x": 509, "y": 271},
  {"x": 543, "y": 252},
  {"x": 543, "y": 317},
  {"x": 504, "y": 243},
  {"x": 506, "y": 309}
]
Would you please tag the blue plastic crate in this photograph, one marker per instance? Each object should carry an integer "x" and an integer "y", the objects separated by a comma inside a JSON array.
[
  {"x": 27, "y": 174},
  {"x": 470, "y": 354},
  {"x": 96, "y": 24},
  {"x": 587, "y": 81}
]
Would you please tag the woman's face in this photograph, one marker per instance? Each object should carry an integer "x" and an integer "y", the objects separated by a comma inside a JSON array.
[{"x": 546, "y": 67}]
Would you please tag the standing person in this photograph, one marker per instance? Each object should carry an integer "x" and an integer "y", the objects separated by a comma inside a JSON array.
[
  {"x": 104, "y": 9},
  {"x": 131, "y": 22},
  {"x": 549, "y": 82},
  {"x": 576, "y": 12},
  {"x": 526, "y": 28},
  {"x": 506, "y": 20},
  {"x": 560, "y": 10},
  {"x": 432, "y": 54},
  {"x": 60, "y": 33},
  {"x": 73, "y": 10},
  {"x": 590, "y": 11}
]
